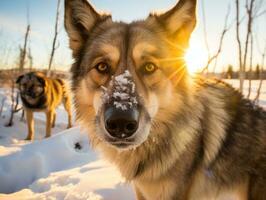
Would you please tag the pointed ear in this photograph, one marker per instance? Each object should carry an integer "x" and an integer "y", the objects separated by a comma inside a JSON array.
[
  {"x": 80, "y": 18},
  {"x": 179, "y": 21}
]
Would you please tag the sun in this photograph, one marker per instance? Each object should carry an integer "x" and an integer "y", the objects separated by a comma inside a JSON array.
[{"x": 196, "y": 56}]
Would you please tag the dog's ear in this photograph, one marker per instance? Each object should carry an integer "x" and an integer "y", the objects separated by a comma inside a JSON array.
[
  {"x": 19, "y": 79},
  {"x": 41, "y": 80},
  {"x": 80, "y": 19},
  {"x": 179, "y": 21}
]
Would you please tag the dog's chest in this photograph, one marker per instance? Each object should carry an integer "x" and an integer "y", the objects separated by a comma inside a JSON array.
[
  {"x": 202, "y": 188},
  {"x": 157, "y": 190}
]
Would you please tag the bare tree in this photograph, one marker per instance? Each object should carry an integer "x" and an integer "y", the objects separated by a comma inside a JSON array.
[
  {"x": 14, "y": 104},
  {"x": 249, "y": 11},
  {"x": 219, "y": 50},
  {"x": 241, "y": 71},
  {"x": 30, "y": 58},
  {"x": 252, "y": 8},
  {"x": 2, "y": 105},
  {"x": 22, "y": 57},
  {"x": 250, "y": 66},
  {"x": 205, "y": 34},
  {"x": 10, "y": 122},
  {"x": 256, "y": 99},
  {"x": 23, "y": 50},
  {"x": 7, "y": 56},
  {"x": 55, "y": 39},
  {"x": 14, "y": 100}
]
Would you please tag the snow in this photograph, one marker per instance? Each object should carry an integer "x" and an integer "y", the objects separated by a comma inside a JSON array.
[
  {"x": 254, "y": 86},
  {"x": 60, "y": 167},
  {"x": 122, "y": 91},
  {"x": 63, "y": 166},
  {"x": 43, "y": 155}
]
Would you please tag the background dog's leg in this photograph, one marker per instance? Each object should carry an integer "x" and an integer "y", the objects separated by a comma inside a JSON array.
[
  {"x": 67, "y": 105},
  {"x": 49, "y": 117},
  {"x": 30, "y": 123},
  {"x": 69, "y": 119},
  {"x": 22, "y": 115},
  {"x": 138, "y": 194},
  {"x": 53, "y": 120}
]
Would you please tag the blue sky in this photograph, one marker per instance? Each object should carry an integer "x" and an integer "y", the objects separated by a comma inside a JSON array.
[{"x": 42, "y": 16}]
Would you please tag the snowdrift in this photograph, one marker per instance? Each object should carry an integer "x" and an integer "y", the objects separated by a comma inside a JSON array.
[{"x": 61, "y": 167}]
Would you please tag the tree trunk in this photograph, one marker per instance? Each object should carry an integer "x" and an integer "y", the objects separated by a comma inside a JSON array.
[
  {"x": 23, "y": 51},
  {"x": 250, "y": 68},
  {"x": 54, "y": 40},
  {"x": 30, "y": 59},
  {"x": 241, "y": 74},
  {"x": 2, "y": 105},
  {"x": 14, "y": 105},
  {"x": 219, "y": 50},
  {"x": 256, "y": 99}
]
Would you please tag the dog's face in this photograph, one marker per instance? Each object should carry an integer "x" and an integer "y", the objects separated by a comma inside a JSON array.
[
  {"x": 31, "y": 86},
  {"x": 128, "y": 78}
]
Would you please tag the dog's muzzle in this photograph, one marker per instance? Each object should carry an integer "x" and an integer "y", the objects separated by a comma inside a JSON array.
[
  {"x": 121, "y": 124},
  {"x": 30, "y": 93}
]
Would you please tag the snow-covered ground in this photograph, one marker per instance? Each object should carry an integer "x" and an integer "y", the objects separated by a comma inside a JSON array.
[
  {"x": 63, "y": 166},
  {"x": 254, "y": 87}
]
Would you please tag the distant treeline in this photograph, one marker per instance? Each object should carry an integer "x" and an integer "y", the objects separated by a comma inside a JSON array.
[
  {"x": 255, "y": 74},
  {"x": 7, "y": 76}
]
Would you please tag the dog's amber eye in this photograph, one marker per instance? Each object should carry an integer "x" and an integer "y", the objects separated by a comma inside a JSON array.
[
  {"x": 103, "y": 68},
  {"x": 149, "y": 68}
]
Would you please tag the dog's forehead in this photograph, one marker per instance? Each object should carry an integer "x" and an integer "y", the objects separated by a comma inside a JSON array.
[
  {"x": 121, "y": 38},
  {"x": 112, "y": 34},
  {"x": 26, "y": 78},
  {"x": 143, "y": 40},
  {"x": 29, "y": 78}
]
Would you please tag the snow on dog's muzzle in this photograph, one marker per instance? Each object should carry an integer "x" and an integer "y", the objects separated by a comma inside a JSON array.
[{"x": 121, "y": 114}]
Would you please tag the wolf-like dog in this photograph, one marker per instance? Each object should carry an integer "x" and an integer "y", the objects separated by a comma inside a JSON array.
[
  {"x": 174, "y": 137},
  {"x": 42, "y": 94}
]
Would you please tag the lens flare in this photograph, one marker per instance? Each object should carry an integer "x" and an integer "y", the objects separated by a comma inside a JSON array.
[{"x": 196, "y": 57}]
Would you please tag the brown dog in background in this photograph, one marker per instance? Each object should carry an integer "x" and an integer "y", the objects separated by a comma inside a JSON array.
[{"x": 42, "y": 94}]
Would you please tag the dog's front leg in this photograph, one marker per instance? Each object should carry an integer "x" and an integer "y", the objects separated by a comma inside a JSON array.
[
  {"x": 30, "y": 123},
  {"x": 53, "y": 120},
  {"x": 67, "y": 105},
  {"x": 49, "y": 118},
  {"x": 69, "y": 120},
  {"x": 138, "y": 194}
]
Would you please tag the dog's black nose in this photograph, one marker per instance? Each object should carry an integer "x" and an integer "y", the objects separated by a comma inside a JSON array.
[{"x": 121, "y": 123}]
